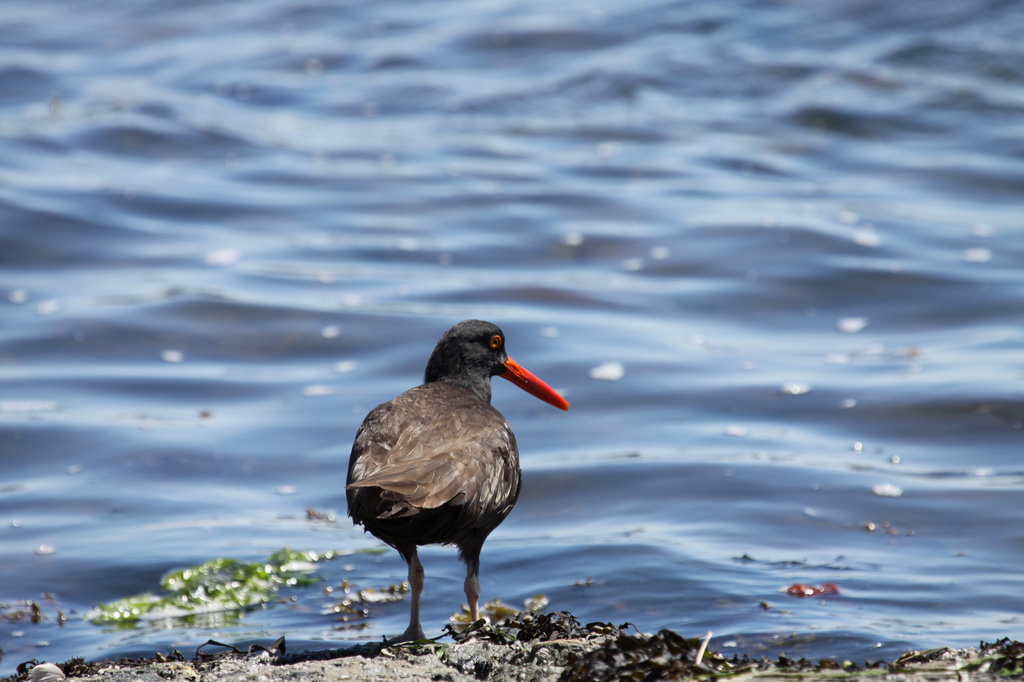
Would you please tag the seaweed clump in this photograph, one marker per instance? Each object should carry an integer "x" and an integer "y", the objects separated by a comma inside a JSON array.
[
  {"x": 665, "y": 655},
  {"x": 1006, "y": 656},
  {"x": 219, "y": 585}
]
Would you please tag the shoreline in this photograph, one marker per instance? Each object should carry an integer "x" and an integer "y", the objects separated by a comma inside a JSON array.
[{"x": 550, "y": 647}]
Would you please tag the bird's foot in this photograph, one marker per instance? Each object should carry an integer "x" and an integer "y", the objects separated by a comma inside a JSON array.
[{"x": 411, "y": 634}]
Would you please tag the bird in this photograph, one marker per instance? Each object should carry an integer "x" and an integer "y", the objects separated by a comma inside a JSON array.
[{"x": 440, "y": 465}]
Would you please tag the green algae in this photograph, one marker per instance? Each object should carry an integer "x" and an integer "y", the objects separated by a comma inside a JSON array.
[{"x": 218, "y": 585}]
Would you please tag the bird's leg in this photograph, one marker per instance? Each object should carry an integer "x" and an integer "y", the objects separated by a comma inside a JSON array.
[
  {"x": 414, "y": 631},
  {"x": 472, "y": 587}
]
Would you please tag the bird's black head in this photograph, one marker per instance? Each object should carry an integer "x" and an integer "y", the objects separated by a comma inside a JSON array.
[{"x": 468, "y": 355}]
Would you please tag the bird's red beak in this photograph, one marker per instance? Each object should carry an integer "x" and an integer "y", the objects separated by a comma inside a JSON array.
[{"x": 530, "y": 383}]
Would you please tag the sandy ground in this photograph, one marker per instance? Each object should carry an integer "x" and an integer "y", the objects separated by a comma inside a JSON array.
[{"x": 551, "y": 647}]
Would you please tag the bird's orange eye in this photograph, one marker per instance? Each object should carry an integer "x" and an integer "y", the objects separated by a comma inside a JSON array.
[{"x": 495, "y": 342}]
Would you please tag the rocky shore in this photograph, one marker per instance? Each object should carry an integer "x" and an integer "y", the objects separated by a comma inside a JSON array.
[{"x": 552, "y": 647}]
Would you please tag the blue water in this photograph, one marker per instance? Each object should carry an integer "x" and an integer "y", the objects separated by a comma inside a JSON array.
[{"x": 773, "y": 253}]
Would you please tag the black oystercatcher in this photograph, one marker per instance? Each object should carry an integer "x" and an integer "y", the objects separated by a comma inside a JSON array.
[{"x": 438, "y": 464}]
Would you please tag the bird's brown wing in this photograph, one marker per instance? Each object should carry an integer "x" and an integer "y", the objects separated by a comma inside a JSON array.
[{"x": 434, "y": 445}]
